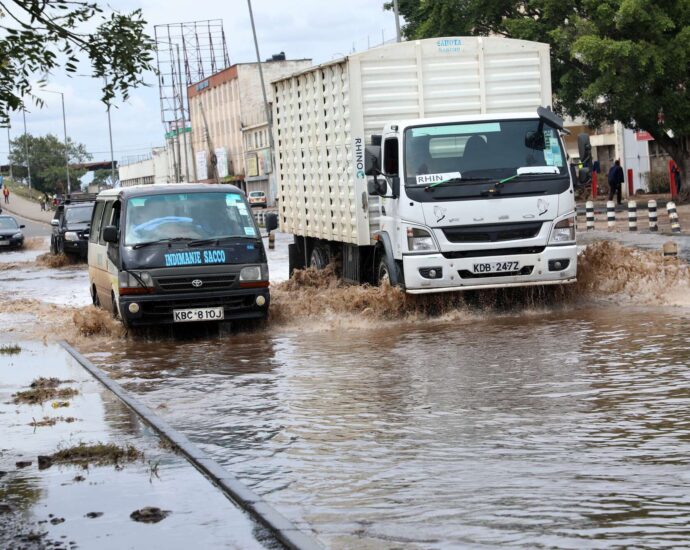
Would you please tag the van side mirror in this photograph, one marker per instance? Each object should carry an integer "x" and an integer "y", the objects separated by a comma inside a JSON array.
[
  {"x": 54, "y": 222},
  {"x": 372, "y": 159},
  {"x": 584, "y": 147},
  {"x": 271, "y": 221},
  {"x": 22, "y": 226},
  {"x": 110, "y": 234}
]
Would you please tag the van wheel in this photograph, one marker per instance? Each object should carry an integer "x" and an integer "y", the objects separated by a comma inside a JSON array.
[
  {"x": 60, "y": 247},
  {"x": 319, "y": 258},
  {"x": 94, "y": 296}
]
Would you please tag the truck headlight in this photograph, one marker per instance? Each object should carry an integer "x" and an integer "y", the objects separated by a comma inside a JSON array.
[
  {"x": 250, "y": 273},
  {"x": 134, "y": 282},
  {"x": 419, "y": 240},
  {"x": 71, "y": 236},
  {"x": 563, "y": 231}
]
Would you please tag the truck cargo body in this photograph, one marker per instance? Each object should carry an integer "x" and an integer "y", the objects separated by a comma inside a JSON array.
[{"x": 465, "y": 107}]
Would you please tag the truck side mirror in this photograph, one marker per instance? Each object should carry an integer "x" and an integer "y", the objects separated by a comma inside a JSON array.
[
  {"x": 535, "y": 140},
  {"x": 395, "y": 186},
  {"x": 584, "y": 147},
  {"x": 110, "y": 234},
  {"x": 377, "y": 186},
  {"x": 372, "y": 159},
  {"x": 584, "y": 174}
]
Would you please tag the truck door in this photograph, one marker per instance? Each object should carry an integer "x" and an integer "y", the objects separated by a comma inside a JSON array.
[{"x": 390, "y": 161}]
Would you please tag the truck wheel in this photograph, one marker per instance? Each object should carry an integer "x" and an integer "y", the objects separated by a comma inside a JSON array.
[
  {"x": 319, "y": 258},
  {"x": 383, "y": 272}
]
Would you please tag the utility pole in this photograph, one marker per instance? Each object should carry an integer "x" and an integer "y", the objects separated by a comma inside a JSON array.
[
  {"x": 26, "y": 152},
  {"x": 266, "y": 107},
  {"x": 184, "y": 119},
  {"x": 397, "y": 20},
  {"x": 9, "y": 147},
  {"x": 64, "y": 127},
  {"x": 112, "y": 156}
]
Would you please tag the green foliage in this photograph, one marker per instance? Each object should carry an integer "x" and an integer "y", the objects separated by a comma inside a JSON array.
[
  {"x": 47, "y": 160},
  {"x": 102, "y": 177},
  {"x": 623, "y": 60},
  {"x": 38, "y": 36},
  {"x": 657, "y": 182}
]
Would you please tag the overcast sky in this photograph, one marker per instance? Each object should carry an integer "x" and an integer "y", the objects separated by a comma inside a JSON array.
[{"x": 317, "y": 29}]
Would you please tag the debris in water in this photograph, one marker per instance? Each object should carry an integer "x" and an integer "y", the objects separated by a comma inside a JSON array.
[
  {"x": 44, "y": 389},
  {"x": 5, "y": 508},
  {"x": 150, "y": 514},
  {"x": 93, "y": 515},
  {"x": 59, "y": 404},
  {"x": 51, "y": 421},
  {"x": 55, "y": 260},
  {"x": 97, "y": 453},
  {"x": 78, "y": 478},
  {"x": 23, "y": 463},
  {"x": 92, "y": 320},
  {"x": 57, "y": 521},
  {"x": 44, "y": 462},
  {"x": 10, "y": 349}
]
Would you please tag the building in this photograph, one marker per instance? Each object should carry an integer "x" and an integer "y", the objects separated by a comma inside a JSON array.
[
  {"x": 162, "y": 165},
  {"x": 229, "y": 126}
]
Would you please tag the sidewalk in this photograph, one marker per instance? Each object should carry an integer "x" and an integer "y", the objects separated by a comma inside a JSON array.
[
  {"x": 26, "y": 209},
  {"x": 131, "y": 500}
]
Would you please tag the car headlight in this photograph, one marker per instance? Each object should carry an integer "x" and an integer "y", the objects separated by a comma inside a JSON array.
[
  {"x": 71, "y": 236},
  {"x": 419, "y": 240},
  {"x": 134, "y": 282},
  {"x": 17, "y": 235},
  {"x": 563, "y": 231},
  {"x": 250, "y": 273}
]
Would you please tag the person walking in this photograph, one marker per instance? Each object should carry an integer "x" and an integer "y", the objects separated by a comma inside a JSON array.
[
  {"x": 616, "y": 179},
  {"x": 6, "y": 194},
  {"x": 675, "y": 170}
]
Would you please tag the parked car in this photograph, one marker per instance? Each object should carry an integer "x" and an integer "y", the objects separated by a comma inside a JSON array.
[
  {"x": 257, "y": 198},
  {"x": 71, "y": 229},
  {"x": 11, "y": 235}
]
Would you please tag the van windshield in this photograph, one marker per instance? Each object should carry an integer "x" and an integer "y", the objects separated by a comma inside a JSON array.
[{"x": 201, "y": 215}]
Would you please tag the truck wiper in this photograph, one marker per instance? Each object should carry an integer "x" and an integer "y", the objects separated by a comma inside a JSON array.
[
  {"x": 159, "y": 241},
  {"x": 202, "y": 242},
  {"x": 534, "y": 175},
  {"x": 432, "y": 186}
]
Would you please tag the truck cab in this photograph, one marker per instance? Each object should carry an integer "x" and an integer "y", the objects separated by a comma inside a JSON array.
[{"x": 481, "y": 201}]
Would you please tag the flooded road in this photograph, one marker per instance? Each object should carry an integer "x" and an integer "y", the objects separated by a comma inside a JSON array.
[{"x": 566, "y": 428}]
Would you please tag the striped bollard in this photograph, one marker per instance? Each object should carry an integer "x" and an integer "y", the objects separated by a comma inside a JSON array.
[
  {"x": 611, "y": 214},
  {"x": 589, "y": 207},
  {"x": 673, "y": 216},
  {"x": 632, "y": 215},
  {"x": 651, "y": 209}
]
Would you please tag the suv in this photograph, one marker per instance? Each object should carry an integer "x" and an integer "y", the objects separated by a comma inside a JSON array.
[
  {"x": 71, "y": 229},
  {"x": 257, "y": 198}
]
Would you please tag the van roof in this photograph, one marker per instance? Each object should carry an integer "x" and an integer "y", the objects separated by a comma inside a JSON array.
[{"x": 164, "y": 188}]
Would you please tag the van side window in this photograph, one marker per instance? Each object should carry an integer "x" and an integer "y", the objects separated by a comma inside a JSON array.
[
  {"x": 96, "y": 222},
  {"x": 107, "y": 216},
  {"x": 390, "y": 156}
]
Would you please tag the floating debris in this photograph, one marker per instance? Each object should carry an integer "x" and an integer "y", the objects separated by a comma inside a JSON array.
[
  {"x": 57, "y": 521},
  {"x": 51, "y": 421},
  {"x": 44, "y": 389},
  {"x": 10, "y": 349},
  {"x": 23, "y": 463},
  {"x": 97, "y": 454},
  {"x": 93, "y": 515},
  {"x": 150, "y": 514}
]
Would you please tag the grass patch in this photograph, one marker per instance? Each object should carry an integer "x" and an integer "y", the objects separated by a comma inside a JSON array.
[
  {"x": 10, "y": 349},
  {"x": 99, "y": 454},
  {"x": 44, "y": 389}
]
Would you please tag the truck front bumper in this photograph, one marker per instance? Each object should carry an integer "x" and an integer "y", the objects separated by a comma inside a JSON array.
[{"x": 553, "y": 265}]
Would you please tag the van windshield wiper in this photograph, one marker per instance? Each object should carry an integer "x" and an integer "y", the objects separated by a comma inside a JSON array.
[
  {"x": 160, "y": 241},
  {"x": 463, "y": 179},
  {"x": 202, "y": 242}
]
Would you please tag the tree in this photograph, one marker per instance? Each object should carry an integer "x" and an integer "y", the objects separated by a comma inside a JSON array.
[
  {"x": 612, "y": 60},
  {"x": 39, "y": 36},
  {"x": 47, "y": 160},
  {"x": 103, "y": 177}
]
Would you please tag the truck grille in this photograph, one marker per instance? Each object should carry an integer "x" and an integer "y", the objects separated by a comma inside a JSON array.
[
  {"x": 187, "y": 283},
  {"x": 494, "y": 252},
  {"x": 492, "y": 233}
]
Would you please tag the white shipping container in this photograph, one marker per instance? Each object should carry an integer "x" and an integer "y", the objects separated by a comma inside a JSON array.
[{"x": 324, "y": 116}]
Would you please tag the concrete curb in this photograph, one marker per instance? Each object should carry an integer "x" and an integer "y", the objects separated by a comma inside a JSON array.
[
  {"x": 5, "y": 208},
  {"x": 281, "y": 528}
]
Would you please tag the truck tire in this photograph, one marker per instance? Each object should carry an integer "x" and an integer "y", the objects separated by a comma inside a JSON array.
[
  {"x": 383, "y": 272},
  {"x": 320, "y": 257}
]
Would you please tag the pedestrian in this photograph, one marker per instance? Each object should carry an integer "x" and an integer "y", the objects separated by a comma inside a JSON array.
[
  {"x": 676, "y": 176},
  {"x": 6, "y": 194},
  {"x": 616, "y": 180}
]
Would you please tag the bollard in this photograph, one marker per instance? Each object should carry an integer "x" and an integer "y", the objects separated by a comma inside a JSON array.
[
  {"x": 589, "y": 207},
  {"x": 611, "y": 214},
  {"x": 632, "y": 215},
  {"x": 673, "y": 216},
  {"x": 651, "y": 209},
  {"x": 272, "y": 240}
]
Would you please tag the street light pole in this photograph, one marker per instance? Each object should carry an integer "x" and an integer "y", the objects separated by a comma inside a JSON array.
[
  {"x": 26, "y": 152},
  {"x": 64, "y": 127},
  {"x": 9, "y": 152},
  {"x": 397, "y": 20},
  {"x": 112, "y": 156}
]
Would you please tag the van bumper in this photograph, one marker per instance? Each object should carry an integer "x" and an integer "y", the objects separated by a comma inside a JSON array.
[
  {"x": 157, "y": 309},
  {"x": 457, "y": 274}
]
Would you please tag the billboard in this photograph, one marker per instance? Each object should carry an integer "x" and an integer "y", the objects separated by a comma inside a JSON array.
[
  {"x": 201, "y": 165},
  {"x": 222, "y": 162}
]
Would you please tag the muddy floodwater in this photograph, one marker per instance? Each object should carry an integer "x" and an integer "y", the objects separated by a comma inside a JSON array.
[{"x": 559, "y": 427}]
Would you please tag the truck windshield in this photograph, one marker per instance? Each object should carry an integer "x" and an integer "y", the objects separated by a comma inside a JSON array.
[
  {"x": 181, "y": 216},
  {"x": 81, "y": 214},
  {"x": 477, "y": 151}
]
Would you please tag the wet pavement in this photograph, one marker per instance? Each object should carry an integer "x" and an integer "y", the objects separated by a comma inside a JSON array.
[
  {"x": 546, "y": 421},
  {"x": 74, "y": 506}
]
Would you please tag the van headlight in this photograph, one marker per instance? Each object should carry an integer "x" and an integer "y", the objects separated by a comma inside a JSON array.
[
  {"x": 133, "y": 282},
  {"x": 420, "y": 240},
  {"x": 563, "y": 231},
  {"x": 71, "y": 236},
  {"x": 250, "y": 273}
]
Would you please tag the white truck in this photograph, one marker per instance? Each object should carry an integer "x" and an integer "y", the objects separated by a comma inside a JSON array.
[{"x": 435, "y": 164}]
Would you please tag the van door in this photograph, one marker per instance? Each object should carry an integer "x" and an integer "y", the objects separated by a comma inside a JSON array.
[{"x": 94, "y": 253}]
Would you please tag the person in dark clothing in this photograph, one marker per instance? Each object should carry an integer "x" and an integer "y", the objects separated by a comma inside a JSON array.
[
  {"x": 676, "y": 176},
  {"x": 616, "y": 180}
]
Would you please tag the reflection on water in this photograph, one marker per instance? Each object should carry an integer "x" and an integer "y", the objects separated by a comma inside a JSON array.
[{"x": 567, "y": 429}]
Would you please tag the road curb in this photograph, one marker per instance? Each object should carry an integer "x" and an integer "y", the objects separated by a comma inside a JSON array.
[
  {"x": 281, "y": 527},
  {"x": 36, "y": 220}
]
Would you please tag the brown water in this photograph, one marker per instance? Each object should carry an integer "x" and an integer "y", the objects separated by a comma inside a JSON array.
[{"x": 563, "y": 428}]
